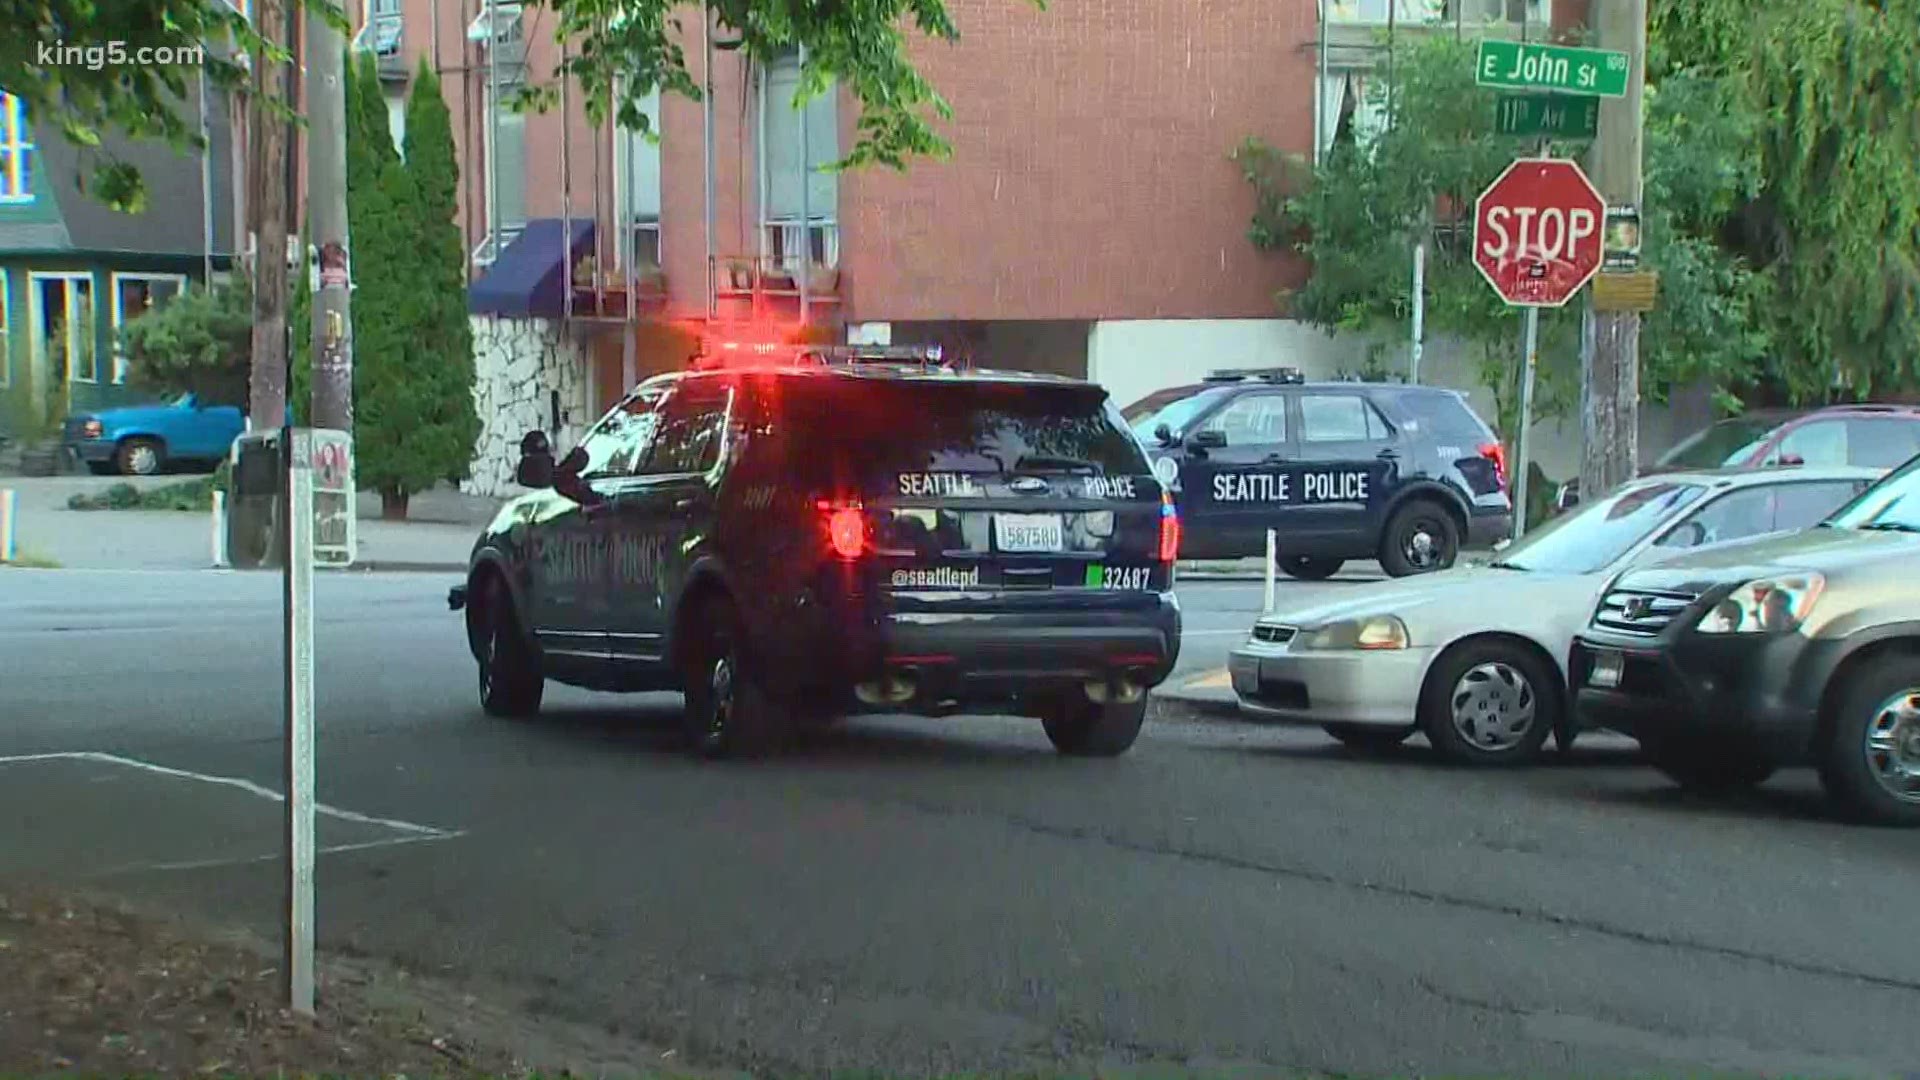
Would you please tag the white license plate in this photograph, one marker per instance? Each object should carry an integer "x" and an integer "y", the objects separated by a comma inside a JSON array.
[
  {"x": 1029, "y": 532},
  {"x": 1607, "y": 667}
]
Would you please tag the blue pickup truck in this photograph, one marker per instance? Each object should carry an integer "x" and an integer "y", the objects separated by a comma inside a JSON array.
[{"x": 141, "y": 440}]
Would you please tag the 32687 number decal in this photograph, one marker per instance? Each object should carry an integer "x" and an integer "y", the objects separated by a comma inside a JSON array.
[{"x": 1118, "y": 577}]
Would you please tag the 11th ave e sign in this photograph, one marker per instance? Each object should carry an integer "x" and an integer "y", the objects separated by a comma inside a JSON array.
[
  {"x": 1536, "y": 232},
  {"x": 1516, "y": 65}
]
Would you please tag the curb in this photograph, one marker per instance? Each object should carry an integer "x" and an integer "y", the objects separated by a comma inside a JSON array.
[
  {"x": 1211, "y": 705},
  {"x": 400, "y": 567}
]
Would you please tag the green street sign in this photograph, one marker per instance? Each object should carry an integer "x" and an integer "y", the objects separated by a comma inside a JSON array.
[
  {"x": 1569, "y": 116},
  {"x": 1518, "y": 66}
]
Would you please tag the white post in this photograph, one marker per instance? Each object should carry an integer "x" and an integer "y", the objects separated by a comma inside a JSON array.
[
  {"x": 219, "y": 530},
  {"x": 1529, "y": 347},
  {"x": 8, "y": 504},
  {"x": 1419, "y": 305},
  {"x": 299, "y": 734},
  {"x": 1273, "y": 558}
]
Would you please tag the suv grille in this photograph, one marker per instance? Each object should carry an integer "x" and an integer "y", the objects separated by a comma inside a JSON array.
[
  {"x": 1640, "y": 611},
  {"x": 1274, "y": 635}
]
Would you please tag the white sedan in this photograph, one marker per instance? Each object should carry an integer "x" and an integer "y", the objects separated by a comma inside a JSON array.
[{"x": 1475, "y": 658}]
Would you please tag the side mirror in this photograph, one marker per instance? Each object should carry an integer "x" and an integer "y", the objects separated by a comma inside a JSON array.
[
  {"x": 1164, "y": 434},
  {"x": 1208, "y": 440},
  {"x": 536, "y": 461},
  {"x": 1788, "y": 461},
  {"x": 1568, "y": 496},
  {"x": 1690, "y": 534}
]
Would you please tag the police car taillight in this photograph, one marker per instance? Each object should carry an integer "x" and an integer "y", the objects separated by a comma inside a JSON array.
[
  {"x": 1497, "y": 454},
  {"x": 1169, "y": 529},
  {"x": 846, "y": 529}
]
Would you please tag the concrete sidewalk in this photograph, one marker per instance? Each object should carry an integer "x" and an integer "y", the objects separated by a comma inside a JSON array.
[{"x": 439, "y": 534}]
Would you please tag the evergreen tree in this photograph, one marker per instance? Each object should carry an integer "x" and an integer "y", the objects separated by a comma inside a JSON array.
[{"x": 439, "y": 329}]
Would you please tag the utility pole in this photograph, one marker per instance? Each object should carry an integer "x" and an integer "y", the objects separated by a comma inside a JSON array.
[
  {"x": 332, "y": 350},
  {"x": 1610, "y": 390},
  {"x": 267, "y": 382}
]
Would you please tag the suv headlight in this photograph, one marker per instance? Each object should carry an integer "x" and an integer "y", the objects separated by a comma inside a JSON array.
[
  {"x": 1773, "y": 605},
  {"x": 1371, "y": 633}
]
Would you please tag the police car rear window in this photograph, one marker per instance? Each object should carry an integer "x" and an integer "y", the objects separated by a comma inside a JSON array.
[
  {"x": 883, "y": 428},
  {"x": 1444, "y": 416}
]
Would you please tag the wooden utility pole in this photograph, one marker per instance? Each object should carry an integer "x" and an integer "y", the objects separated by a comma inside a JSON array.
[
  {"x": 332, "y": 350},
  {"x": 267, "y": 382},
  {"x": 1610, "y": 389}
]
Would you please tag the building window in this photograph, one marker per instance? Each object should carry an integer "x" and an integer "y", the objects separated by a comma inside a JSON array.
[
  {"x": 6, "y": 340},
  {"x": 636, "y": 169},
  {"x": 1353, "y": 108},
  {"x": 397, "y": 120},
  {"x": 785, "y": 173},
  {"x": 386, "y": 21},
  {"x": 1381, "y": 12},
  {"x": 63, "y": 325},
  {"x": 133, "y": 296},
  {"x": 16, "y": 151}
]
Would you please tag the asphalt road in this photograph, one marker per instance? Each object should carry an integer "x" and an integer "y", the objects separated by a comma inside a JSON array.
[{"x": 921, "y": 896}]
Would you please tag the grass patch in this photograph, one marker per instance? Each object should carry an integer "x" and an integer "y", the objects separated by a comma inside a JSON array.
[{"x": 32, "y": 560}]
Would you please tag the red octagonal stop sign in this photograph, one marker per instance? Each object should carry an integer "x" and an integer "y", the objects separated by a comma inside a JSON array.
[{"x": 1536, "y": 232}]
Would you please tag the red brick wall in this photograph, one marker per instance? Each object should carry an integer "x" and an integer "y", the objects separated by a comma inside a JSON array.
[{"x": 1090, "y": 176}]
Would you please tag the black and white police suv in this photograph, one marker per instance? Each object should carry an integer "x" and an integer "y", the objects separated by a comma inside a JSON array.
[
  {"x": 1340, "y": 471},
  {"x": 791, "y": 541}
]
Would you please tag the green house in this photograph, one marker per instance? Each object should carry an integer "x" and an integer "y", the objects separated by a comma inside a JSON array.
[{"x": 73, "y": 270}]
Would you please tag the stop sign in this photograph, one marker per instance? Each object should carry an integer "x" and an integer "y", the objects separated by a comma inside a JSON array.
[{"x": 1536, "y": 232}]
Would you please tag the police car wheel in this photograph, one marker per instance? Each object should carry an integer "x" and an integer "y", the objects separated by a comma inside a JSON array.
[
  {"x": 1306, "y": 569},
  {"x": 1489, "y": 703},
  {"x": 1079, "y": 727},
  {"x": 728, "y": 713},
  {"x": 510, "y": 680},
  {"x": 1421, "y": 537}
]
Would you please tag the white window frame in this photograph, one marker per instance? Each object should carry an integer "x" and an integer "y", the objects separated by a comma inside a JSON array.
[
  {"x": 36, "y": 313},
  {"x": 17, "y": 140},
  {"x": 783, "y": 231},
  {"x": 627, "y": 224},
  {"x": 120, "y": 315},
  {"x": 6, "y": 331}
]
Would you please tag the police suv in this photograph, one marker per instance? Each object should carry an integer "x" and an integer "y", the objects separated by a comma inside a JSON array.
[
  {"x": 1340, "y": 471},
  {"x": 850, "y": 530}
]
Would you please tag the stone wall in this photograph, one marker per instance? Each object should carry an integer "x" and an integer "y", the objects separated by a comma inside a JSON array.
[{"x": 518, "y": 365}]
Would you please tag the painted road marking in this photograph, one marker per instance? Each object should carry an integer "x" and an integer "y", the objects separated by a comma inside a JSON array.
[
  {"x": 248, "y": 786},
  {"x": 243, "y": 860},
  {"x": 1217, "y": 679}
]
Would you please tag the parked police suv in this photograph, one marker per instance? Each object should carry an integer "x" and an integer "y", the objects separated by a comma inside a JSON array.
[
  {"x": 846, "y": 530},
  {"x": 1340, "y": 471}
]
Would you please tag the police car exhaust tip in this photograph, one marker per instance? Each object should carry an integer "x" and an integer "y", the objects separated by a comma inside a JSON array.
[
  {"x": 896, "y": 689},
  {"x": 1127, "y": 689}
]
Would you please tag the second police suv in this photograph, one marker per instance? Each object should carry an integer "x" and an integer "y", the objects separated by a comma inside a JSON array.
[{"x": 1342, "y": 471}]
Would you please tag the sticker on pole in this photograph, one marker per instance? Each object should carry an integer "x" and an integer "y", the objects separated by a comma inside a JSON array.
[
  {"x": 1537, "y": 232},
  {"x": 334, "y": 533}
]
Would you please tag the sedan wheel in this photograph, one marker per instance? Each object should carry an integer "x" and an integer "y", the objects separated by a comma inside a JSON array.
[{"x": 1489, "y": 703}]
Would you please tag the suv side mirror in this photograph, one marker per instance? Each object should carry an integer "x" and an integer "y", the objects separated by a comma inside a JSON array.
[
  {"x": 1208, "y": 440},
  {"x": 1788, "y": 461},
  {"x": 1164, "y": 434}
]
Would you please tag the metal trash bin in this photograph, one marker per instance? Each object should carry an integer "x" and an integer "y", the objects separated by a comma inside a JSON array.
[{"x": 253, "y": 504}]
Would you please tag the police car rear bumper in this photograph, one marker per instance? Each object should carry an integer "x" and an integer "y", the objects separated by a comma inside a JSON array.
[
  {"x": 1487, "y": 527},
  {"x": 1376, "y": 688},
  {"x": 986, "y": 655}
]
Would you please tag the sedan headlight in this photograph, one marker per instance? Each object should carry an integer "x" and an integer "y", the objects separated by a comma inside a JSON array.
[
  {"x": 1768, "y": 606},
  {"x": 1371, "y": 632}
]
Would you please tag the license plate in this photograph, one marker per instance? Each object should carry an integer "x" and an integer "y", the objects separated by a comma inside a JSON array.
[
  {"x": 1029, "y": 532},
  {"x": 1607, "y": 667}
]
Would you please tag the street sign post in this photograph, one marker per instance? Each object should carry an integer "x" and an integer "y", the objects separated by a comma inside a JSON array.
[
  {"x": 1519, "y": 65},
  {"x": 299, "y": 719},
  {"x": 1570, "y": 116},
  {"x": 1536, "y": 239}
]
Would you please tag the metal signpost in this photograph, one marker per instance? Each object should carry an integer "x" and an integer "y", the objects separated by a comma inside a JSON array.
[
  {"x": 1536, "y": 239},
  {"x": 1519, "y": 65},
  {"x": 298, "y": 446}
]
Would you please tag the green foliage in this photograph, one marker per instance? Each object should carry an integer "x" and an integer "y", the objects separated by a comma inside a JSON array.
[
  {"x": 108, "y": 93},
  {"x": 1832, "y": 225},
  {"x": 200, "y": 342},
  {"x": 186, "y": 495},
  {"x": 628, "y": 48},
  {"x": 414, "y": 421}
]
